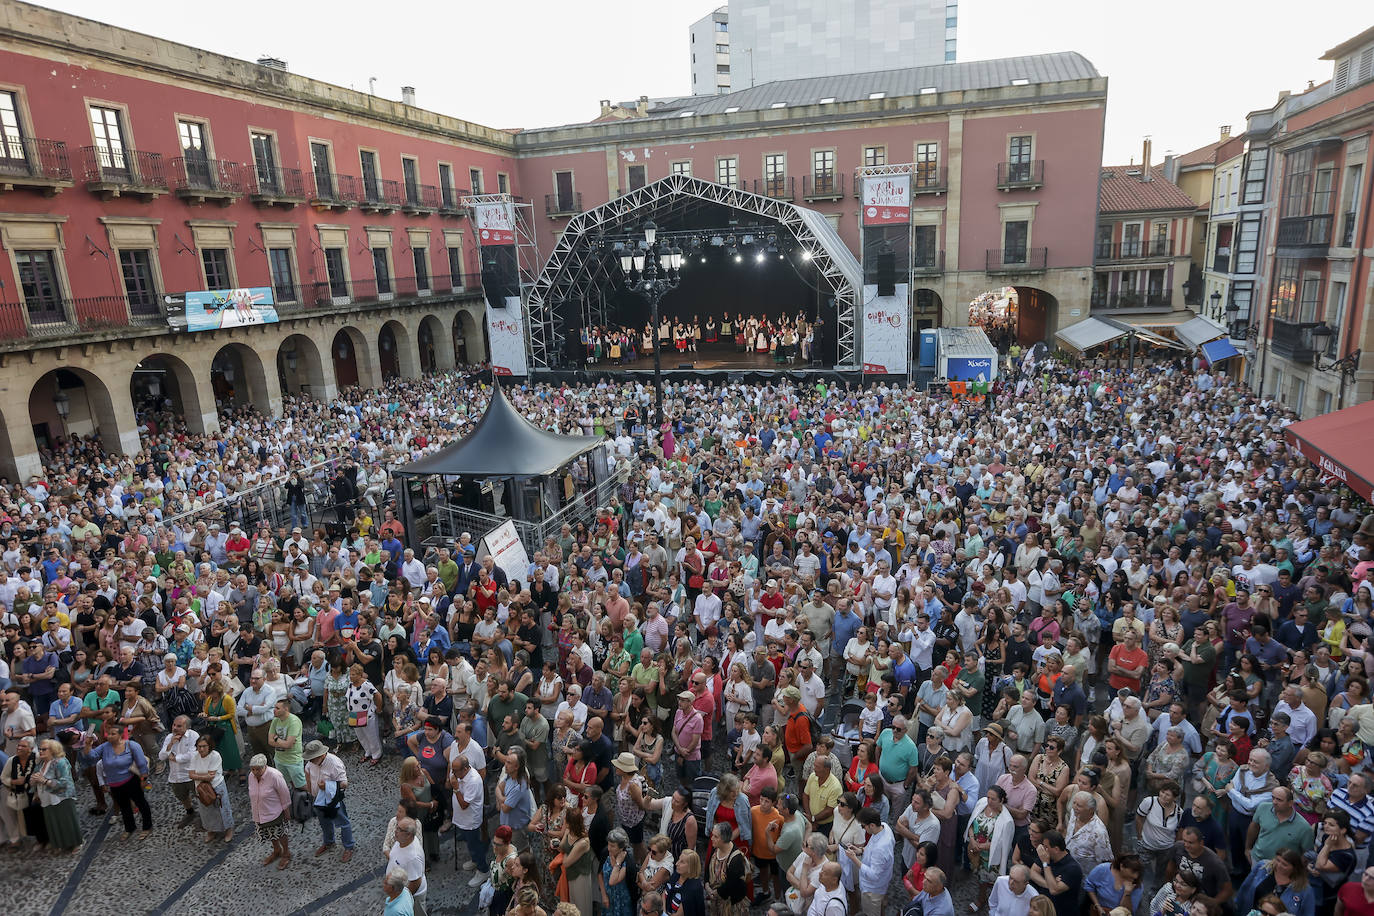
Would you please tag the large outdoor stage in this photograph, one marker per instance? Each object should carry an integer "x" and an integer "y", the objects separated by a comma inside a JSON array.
[{"x": 708, "y": 357}]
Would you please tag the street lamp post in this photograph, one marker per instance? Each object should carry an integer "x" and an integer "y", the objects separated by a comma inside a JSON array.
[
  {"x": 653, "y": 269},
  {"x": 1216, "y": 300}
]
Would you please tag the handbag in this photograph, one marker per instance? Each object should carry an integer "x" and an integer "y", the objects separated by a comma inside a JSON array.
[
  {"x": 358, "y": 720},
  {"x": 206, "y": 794},
  {"x": 325, "y": 728},
  {"x": 795, "y": 901}
]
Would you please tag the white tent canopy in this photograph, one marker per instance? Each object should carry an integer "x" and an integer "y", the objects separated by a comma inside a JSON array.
[
  {"x": 1094, "y": 332},
  {"x": 1195, "y": 332}
]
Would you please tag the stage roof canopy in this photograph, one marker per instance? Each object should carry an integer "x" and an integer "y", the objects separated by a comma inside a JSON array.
[
  {"x": 1340, "y": 444},
  {"x": 503, "y": 444}
]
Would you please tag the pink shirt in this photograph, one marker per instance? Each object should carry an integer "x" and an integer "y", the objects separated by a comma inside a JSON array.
[
  {"x": 685, "y": 726},
  {"x": 1022, "y": 796},
  {"x": 268, "y": 796}
]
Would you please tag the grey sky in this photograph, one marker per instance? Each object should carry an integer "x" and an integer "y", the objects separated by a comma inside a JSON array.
[{"x": 1177, "y": 68}]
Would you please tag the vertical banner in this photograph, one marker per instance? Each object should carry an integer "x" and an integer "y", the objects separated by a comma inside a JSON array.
[
  {"x": 506, "y": 333},
  {"x": 887, "y": 199},
  {"x": 495, "y": 223},
  {"x": 886, "y": 329},
  {"x": 503, "y": 546}
]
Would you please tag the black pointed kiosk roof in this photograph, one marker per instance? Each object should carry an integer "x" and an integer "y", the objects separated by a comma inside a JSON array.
[{"x": 503, "y": 444}]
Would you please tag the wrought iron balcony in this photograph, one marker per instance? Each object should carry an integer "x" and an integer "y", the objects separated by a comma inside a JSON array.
[
  {"x": 123, "y": 172},
  {"x": 336, "y": 192},
  {"x": 823, "y": 186},
  {"x": 776, "y": 188},
  {"x": 1131, "y": 300},
  {"x": 1139, "y": 250},
  {"x": 1304, "y": 236},
  {"x": 1017, "y": 260},
  {"x": 450, "y": 201},
  {"x": 313, "y": 297},
  {"x": 1293, "y": 340},
  {"x": 198, "y": 180},
  {"x": 277, "y": 187},
  {"x": 927, "y": 263},
  {"x": 1020, "y": 176},
  {"x": 380, "y": 196},
  {"x": 50, "y": 317},
  {"x": 420, "y": 199},
  {"x": 563, "y": 203},
  {"x": 40, "y": 165},
  {"x": 929, "y": 180}
]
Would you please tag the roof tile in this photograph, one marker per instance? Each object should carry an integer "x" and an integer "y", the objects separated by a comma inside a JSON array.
[{"x": 1125, "y": 193}]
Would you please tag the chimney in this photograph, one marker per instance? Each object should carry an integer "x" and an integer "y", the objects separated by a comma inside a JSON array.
[
  {"x": 1145, "y": 161},
  {"x": 605, "y": 107},
  {"x": 408, "y": 96},
  {"x": 274, "y": 62},
  {"x": 1226, "y": 131},
  {"x": 1170, "y": 168},
  {"x": 642, "y": 106}
]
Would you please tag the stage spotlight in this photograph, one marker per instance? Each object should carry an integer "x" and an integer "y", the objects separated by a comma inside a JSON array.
[
  {"x": 717, "y": 241},
  {"x": 703, "y": 259},
  {"x": 759, "y": 257},
  {"x": 747, "y": 240},
  {"x": 730, "y": 241},
  {"x": 739, "y": 258},
  {"x": 806, "y": 255}
]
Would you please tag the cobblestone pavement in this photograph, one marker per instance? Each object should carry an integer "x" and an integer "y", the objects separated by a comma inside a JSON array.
[{"x": 176, "y": 872}]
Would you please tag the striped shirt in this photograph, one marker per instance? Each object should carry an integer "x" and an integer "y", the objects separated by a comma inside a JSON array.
[{"x": 1361, "y": 815}]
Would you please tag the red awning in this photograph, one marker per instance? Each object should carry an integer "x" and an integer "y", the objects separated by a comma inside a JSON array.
[{"x": 1341, "y": 445}]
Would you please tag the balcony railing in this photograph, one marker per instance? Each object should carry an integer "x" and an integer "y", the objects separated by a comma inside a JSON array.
[
  {"x": 451, "y": 201},
  {"x": 337, "y": 191},
  {"x": 1136, "y": 251},
  {"x": 115, "y": 172},
  {"x": 823, "y": 186},
  {"x": 927, "y": 263},
  {"x": 1304, "y": 236},
  {"x": 52, "y": 317},
  {"x": 293, "y": 300},
  {"x": 929, "y": 180},
  {"x": 563, "y": 203},
  {"x": 274, "y": 186},
  {"x": 421, "y": 198},
  {"x": 1293, "y": 340},
  {"x": 381, "y": 195},
  {"x": 197, "y": 179},
  {"x": 1132, "y": 300},
  {"x": 1020, "y": 176},
  {"x": 1348, "y": 229},
  {"x": 34, "y": 163},
  {"x": 776, "y": 188},
  {"x": 1017, "y": 260}
]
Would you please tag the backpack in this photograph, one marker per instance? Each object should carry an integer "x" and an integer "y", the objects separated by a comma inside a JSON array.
[
  {"x": 815, "y": 726},
  {"x": 302, "y": 806}
]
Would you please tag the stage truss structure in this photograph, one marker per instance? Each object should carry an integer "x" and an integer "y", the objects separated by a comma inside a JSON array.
[
  {"x": 526, "y": 259},
  {"x": 577, "y": 270},
  {"x": 882, "y": 171}
]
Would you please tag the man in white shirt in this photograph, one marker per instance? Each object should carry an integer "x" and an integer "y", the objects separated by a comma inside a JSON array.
[
  {"x": 413, "y": 570},
  {"x": 467, "y": 817},
  {"x": 875, "y": 868},
  {"x": 830, "y": 899},
  {"x": 811, "y": 686},
  {"x": 1303, "y": 721},
  {"x": 966, "y": 622},
  {"x": 1011, "y": 894},
  {"x": 707, "y": 609},
  {"x": 884, "y": 590},
  {"x": 178, "y": 750},
  {"x": 408, "y": 854}
]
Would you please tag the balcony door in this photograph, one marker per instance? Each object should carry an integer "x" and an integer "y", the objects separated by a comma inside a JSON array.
[
  {"x": 265, "y": 163},
  {"x": 195, "y": 154},
  {"x": 1019, "y": 160},
  {"x": 324, "y": 177},
  {"x": 12, "y": 158},
  {"x": 41, "y": 288},
  {"x": 109, "y": 141},
  {"x": 1130, "y": 240},
  {"x": 563, "y": 190}
]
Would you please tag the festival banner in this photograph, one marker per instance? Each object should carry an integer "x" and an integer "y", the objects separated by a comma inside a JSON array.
[
  {"x": 506, "y": 333},
  {"x": 495, "y": 223},
  {"x": 503, "y": 546},
  {"x": 886, "y": 199},
  {"x": 886, "y": 321},
  {"x": 211, "y": 310}
]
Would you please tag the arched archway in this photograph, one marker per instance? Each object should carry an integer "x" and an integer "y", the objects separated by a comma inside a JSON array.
[
  {"x": 1037, "y": 313},
  {"x": 927, "y": 310},
  {"x": 72, "y": 402},
  {"x": 352, "y": 359},
  {"x": 396, "y": 352},
  {"x": 300, "y": 368},
  {"x": 163, "y": 389},
  {"x": 469, "y": 342},
  {"x": 427, "y": 341},
  {"x": 239, "y": 378},
  {"x": 1014, "y": 314}
]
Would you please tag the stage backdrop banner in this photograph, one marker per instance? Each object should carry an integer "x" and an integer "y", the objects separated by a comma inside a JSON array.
[
  {"x": 210, "y": 310},
  {"x": 506, "y": 551},
  {"x": 886, "y": 328},
  {"x": 887, "y": 199},
  {"x": 495, "y": 224},
  {"x": 506, "y": 331}
]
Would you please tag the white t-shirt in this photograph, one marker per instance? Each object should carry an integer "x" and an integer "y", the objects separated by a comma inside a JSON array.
[{"x": 412, "y": 859}]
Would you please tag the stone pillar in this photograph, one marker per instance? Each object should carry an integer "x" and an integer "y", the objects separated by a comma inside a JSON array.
[
  {"x": 444, "y": 357},
  {"x": 114, "y": 410},
  {"x": 19, "y": 459}
]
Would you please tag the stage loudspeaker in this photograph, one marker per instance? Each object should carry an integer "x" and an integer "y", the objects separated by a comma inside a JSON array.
[{"x": 886, "y": 274}]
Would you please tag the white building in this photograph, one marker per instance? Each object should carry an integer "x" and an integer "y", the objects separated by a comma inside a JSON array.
[{"x": 710, "y": 47}]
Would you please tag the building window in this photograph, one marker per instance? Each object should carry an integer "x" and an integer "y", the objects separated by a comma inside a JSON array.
[
  {"x": 1015, "y": 238},
  {"x": 927, "y": 165},
  {"x": 1104, "y": 242},
  {"x": 722, "y": 27},
  {"x": 372, "y": 187},
  {"x": 195, "y": 154},
  {"x": 455, "y": 265},
  {"x": 1335, "y": 317},
  {"x": 682, "y": 167},
  {"x": 136, "y": 267},
  {"x": 1019, "y": 159},
  {"x": 1256, "y": 171},
  {"x": 723, "y": 68},
  {"x": 446, "y": 185},
  {"x": 1130, "y": 240},
  {"x": 11, "y": 133},
  {"x": 108, "y": 128},
  {"x": 875, "y": 156},
  {"x": 823, "y": 170},
  {"x": 38, "y": 281},
  {"x": 1247, "y": 243},
  {"x": 502, "y": 183},
  {"x": 410, "y": 172},
  {"x": 475, "y": 180},
  {"x": 1284, "y": 300},
  {"x": 1241, "y": 296},
  {"x": 1311, "y": 298},
  {"x": 283, "y": 274},
  {"x": 635, "y": 175},
  {"x": 1154, "y": 285},
  {"x": 215, "y": 262},
  {"x": 421, "y": 257},
  {"x": 381, "y": 269},
  {"x": 265, "y": 162},
  {"x": 775, "y": 174},
  {"x": 727, "y": 170},
  {"x": 324, "y": 173},
  {"x": 336, "y": 273},
  {"x": 722, "y": 49},
  {"x": 923, "y": 252}
]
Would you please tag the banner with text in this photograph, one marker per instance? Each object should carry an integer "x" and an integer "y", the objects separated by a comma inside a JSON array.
[
  {"x": 211, "y": 310},
  {"x": 887, "y": 199},
  {"x": 506, "y": 332},
  {"x": 886, "y": 330},
  {"x": 503, "y": 546},
  {"x": 495, "y": 223}
]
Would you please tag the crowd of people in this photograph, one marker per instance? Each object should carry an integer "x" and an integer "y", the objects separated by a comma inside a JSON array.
[
  {"x": 787, "y": 339},
  {"x": 1101, "y": 644}
]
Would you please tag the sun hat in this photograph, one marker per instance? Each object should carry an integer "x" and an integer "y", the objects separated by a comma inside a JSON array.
[{"x": 626, "y": 763}]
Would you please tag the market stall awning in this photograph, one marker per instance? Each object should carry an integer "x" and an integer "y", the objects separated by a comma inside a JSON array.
[
  {"x": 1195, "y": 332},
  {"x": 1088, "y": 333},
  {"x": 1218, "y": 350},
  {"x": 1340, "y": 444}
]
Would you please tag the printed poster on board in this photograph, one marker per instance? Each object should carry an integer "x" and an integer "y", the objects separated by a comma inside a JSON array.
[
  {"x": 495, "y": 223},
  {"x": 506, "y": 333},
  {"x": 887, "y": 199},
  {"x": 886, "y": 322},
  {"x": 211, "y": 310}
]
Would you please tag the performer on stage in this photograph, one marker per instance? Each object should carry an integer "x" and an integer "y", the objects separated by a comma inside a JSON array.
[
  {"x": 648, "y": 340},
  {"x": 710, "y": 329}
]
